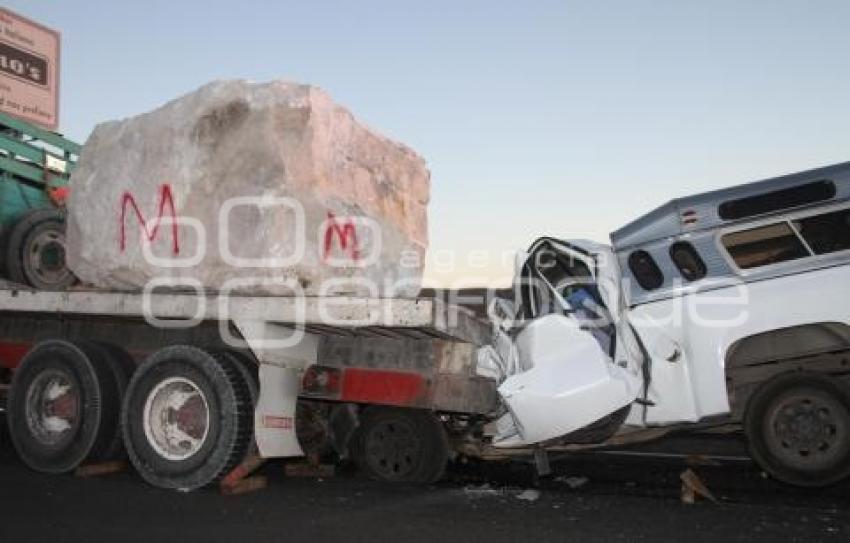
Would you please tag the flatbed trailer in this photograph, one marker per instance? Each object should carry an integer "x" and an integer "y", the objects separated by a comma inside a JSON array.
[{"x": 316, "y": 373}]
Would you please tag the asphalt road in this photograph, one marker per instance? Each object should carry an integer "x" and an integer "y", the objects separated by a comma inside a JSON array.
[{"x": 628, "y": 498}]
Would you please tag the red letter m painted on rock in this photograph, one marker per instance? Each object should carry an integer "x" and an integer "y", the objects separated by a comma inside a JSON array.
[
  {"x": 165, "y": 199},
  {"x": 345, "y": 233}
]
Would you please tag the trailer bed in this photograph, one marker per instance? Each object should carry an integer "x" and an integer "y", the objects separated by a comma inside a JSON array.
[
  {"x": 396, "y": 318},
  {"x": 385, "y": 338}
]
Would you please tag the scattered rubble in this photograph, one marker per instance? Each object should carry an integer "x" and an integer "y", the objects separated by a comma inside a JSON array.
[
  {"x": 484, "y": 490},
  {"x": 530, "y": 495},
  {"x": 487, "y": 491},
  {"x": 573, "y": 482},
  {"x": 693, "y": 487}
]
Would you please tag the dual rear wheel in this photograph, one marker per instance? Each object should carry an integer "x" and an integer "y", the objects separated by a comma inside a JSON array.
[
  {"x": 63, "y": 405},
  {"x": 184, "y": 416},
  {"x": 187, "y": 418}
]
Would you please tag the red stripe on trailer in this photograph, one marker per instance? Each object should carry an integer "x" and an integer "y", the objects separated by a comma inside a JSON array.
[
  {"x": 11, "y": 353},
  {"x": 382, "y": 387}
]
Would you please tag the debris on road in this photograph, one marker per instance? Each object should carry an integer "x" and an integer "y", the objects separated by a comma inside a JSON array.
[
  {"x": 244, "y": 486},
  {"x": 309, "y": 469},
  {"x": 573, "y": 482},
  {"x": 693, "y": 486},
  {"x": 102, "y": 468},
  {"x": 529, "y": 495},
  {"x": 487, "y": 491},
  {"x": 240, "y": 480},
  {"x": 483, "y": 490}
]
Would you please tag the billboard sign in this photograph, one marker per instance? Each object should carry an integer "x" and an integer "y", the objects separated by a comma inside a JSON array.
[{"x": 29, "y": 70}]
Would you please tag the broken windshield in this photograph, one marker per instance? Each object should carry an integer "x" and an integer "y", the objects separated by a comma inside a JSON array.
[{"x": 565, "y": 284}]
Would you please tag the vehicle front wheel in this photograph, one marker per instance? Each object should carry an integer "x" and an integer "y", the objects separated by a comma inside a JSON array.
[
  {"x": 798, "y": 428},
  {"x": 401, "y": 445}
]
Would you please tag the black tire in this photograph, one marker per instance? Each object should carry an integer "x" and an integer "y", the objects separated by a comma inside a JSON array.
[
  {"x": 35, "y": 254},
  {"x": 14, "y": 237},
  {"x": 90, "y": 405},
  {"x": 401, "y": 445},
  {"x": 120, "y": 366},
  {"x": 249, "y": 372},
  {"x": 4, "y": 439},
  {"x": 221, "y": 418},
  {"x": 798, "y": 429},
  {"x": 5, "y": 379}
]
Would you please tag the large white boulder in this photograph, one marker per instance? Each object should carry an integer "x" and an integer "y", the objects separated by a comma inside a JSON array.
[{"x": 271, "y": 185}]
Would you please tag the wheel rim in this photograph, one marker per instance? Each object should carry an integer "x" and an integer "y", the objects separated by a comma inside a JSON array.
[
  {"x": 176, "y": 418},
  {"x": 52, "y": 407},
  {"x": 393, "y": 448},
  {"x": 808, "y": 429},
  {"x": 47, "y": 257}
]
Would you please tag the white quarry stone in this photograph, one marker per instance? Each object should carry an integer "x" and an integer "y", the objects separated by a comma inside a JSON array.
[{"x": 271, "y": 185}]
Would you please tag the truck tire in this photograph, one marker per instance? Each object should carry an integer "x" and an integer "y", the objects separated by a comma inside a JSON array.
[
  {"x": 249, "y": 372},
  {"x": 62, "y": 406},
  {"x": 121, "y": 367},
  {"x": 186, "y": 418},
  {"x": 401, "y": 445},
  {"x": 798, "y": 429},
  {"x": 5, "y": 379},
  {"x": 35, "y": 254}
]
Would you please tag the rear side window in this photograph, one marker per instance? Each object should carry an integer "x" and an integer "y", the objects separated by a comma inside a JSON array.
[
  {"x": 645, "y": 270},
  {"x": 827, "y": 233},
  {"x": 764, "y": 245},
  {"x": 809, "y": 193},
  {"x": 686, "y": 258}
]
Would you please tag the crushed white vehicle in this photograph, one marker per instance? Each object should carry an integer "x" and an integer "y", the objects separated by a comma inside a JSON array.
[
  {"x": 731, "y": 307},
  {"x": 564, "y": 356}
]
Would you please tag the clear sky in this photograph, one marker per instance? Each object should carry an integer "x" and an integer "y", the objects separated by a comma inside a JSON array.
[{"x": 552, "y": 117}]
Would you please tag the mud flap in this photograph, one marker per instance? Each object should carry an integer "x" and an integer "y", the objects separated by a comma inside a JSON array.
[
  {"x": 274, "y": 423},
  {"x": 284, "y": 353},
  {"x": 570, "y": 384}
]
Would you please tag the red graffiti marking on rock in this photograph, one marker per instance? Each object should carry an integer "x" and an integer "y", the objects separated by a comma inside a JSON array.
[
  {"x": 165, "y": 199},
  {"x": 346, "y": 235}
]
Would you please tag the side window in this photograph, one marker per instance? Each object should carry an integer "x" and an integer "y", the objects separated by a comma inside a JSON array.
[
  {"x": 827, "y": 233},
  {"x": 645, "y": 270},
  {"x": 809, "y": 193},
  {"x": 764, "y": 245},
  {"x": 686, "y": 258}
]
